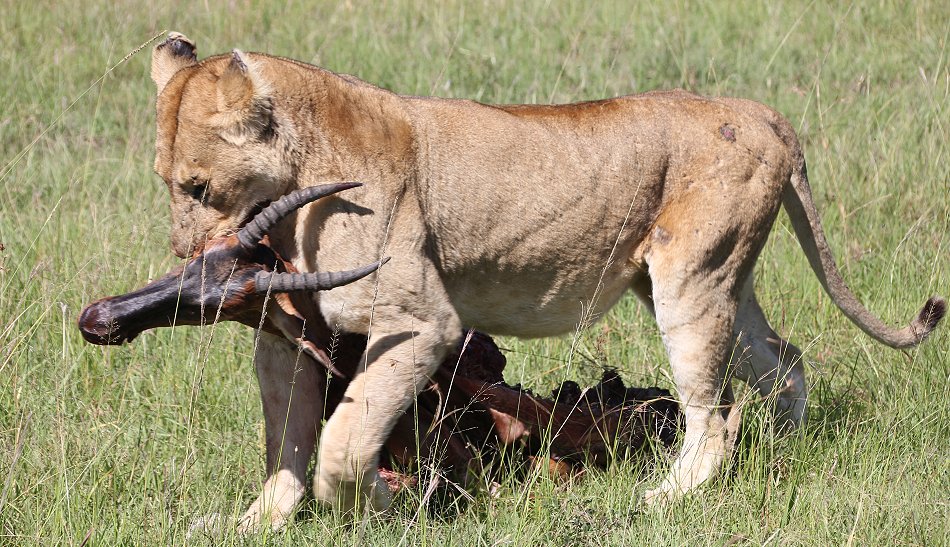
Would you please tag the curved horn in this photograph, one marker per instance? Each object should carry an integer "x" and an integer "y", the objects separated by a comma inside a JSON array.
[
  {"x": 321, "y": 281},
  {"x": 251, "y": 234}
]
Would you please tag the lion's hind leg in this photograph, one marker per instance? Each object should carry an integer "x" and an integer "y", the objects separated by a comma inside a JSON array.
[
  {"x": 768, "y": 363},
  {"x": 695, "y": 307},
  {"x": 697, "y": 344}
]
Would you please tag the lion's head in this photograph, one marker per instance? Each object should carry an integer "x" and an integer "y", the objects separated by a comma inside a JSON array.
[{"x": 220, "y": 148}]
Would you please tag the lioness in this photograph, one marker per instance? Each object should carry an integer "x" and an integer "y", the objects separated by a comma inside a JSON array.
[{"x": 513, "y": 219}]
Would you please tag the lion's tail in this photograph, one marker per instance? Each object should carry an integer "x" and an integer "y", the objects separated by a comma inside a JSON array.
[{"x": 798, "y": 202}]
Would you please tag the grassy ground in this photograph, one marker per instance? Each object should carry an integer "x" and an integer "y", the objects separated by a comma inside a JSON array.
[{"x": 128, "y": 445}]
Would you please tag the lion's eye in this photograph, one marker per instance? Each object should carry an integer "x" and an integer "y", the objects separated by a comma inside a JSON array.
[
  {"x": 198, "y": 191},
  {"x": 196, "y": 188}
]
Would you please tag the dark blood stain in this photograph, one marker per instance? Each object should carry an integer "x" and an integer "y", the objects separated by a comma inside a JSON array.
[{"x": 728, "y": 132}]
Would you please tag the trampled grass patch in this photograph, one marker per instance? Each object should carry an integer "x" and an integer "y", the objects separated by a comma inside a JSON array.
[{"x": 129, "y": 445}]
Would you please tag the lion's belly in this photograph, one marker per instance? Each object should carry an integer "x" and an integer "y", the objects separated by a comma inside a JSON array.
[
  {"x": 521, "y": 306},
  {"x": 529, "y": 251},
  {"x": 544, "y": 276}
]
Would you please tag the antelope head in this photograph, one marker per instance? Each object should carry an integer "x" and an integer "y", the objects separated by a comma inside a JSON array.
[{"x": 229, "y": 280}]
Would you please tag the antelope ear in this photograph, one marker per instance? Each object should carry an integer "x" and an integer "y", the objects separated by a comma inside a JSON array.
[
  {"x": 244, "y": 101},
  {"x": 170, "y": 56}
]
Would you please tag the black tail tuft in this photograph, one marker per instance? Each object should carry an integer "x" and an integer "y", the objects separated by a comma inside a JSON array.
[{"x": 932, "y": 313}]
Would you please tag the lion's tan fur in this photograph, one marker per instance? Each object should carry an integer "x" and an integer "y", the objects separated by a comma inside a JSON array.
[{"x": 511, "y": 219}]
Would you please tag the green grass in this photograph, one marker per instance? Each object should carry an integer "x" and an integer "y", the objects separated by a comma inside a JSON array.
[{"x": 129, "y": 445}]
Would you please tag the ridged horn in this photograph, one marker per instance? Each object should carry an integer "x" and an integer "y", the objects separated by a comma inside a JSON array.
[
  {"x": 320, "y": 281},
  {"x": 263, "y": 222}
]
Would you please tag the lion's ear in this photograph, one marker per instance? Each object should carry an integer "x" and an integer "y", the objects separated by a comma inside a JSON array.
[
  {"x": 243, "y": 98},
  {"x": 170, "y": 56}
]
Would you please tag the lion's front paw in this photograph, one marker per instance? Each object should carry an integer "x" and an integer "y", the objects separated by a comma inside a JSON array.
[
  {"x": 663, "y": 494},
  {"x": 280, "y": 495},
  {"x": 255, "y": 522}
]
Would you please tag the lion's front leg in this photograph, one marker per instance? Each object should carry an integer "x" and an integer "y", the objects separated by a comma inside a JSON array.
[
  {"x": 292, "y": 398},
  {"x": 402, "y": 352}
]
